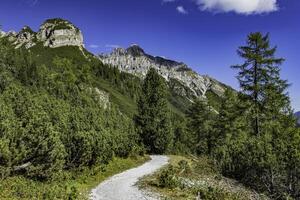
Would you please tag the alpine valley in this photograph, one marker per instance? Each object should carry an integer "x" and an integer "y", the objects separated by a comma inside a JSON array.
[
  {"x": 70, "y": 119},
  {"x": 61, "y": 36}
]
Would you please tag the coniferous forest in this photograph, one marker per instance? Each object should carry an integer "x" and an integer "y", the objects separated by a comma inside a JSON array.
[{"x": 53, "y": 118}]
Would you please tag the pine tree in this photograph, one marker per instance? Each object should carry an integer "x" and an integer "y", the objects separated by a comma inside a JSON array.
[
  {"x": 230, "y": 131},
  {"x": 183, "y": 142},
  {"x": 259, "y": 76},
  {"x": 201, "y": 123},
  {"x": 268, "y": 162},
  {"x": 153, "y": 119}
]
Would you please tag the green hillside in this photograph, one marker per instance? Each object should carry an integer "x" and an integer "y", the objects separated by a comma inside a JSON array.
[
  {"x": 62, "y": 110},
  {"x": 122, "y": 87}
]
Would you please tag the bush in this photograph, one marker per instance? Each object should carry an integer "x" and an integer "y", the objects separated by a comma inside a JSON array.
[
  {"x": 167, "y": 178},
  {"x": 213, "y": 193},
  {"x": 184, "y": 166}
]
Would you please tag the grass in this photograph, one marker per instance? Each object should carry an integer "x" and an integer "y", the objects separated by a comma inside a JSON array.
[
  {"x": 188, "y": 177},
  {"x": 125, "y": 103},
  {"x": 68, "y": 185},
  {"x": 214, "y": 100}
]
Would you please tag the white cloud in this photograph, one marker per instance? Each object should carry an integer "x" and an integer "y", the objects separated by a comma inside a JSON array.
[
  {"x": 181, "y": 10},
  {"x": 238, "y": 6},
  {"x": 94, "y": 46}
]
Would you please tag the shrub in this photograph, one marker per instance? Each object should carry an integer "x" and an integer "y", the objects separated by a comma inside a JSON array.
[
  {"x": 184, "y": 166},
  {"x": 167, "y": 178}
]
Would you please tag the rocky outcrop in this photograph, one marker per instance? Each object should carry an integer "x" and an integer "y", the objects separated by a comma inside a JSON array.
[
  {"x": 102, "y": 97},
  {"x": 182, "y": 80},
  {"x": 26, "y": 37},
  {"x": 134, "y": 60},
  {"x": 11, "y": 35},
  {"x": 57, "y": 32},
  {"x": 2, "y": 33},
  {"x": 53, "y": 33}
]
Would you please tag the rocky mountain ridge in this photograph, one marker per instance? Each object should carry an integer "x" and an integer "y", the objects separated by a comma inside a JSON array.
[
  {"x": 134, "y": 60},
  {"x": 182, "y": 80},
  {"x": 53, "y": 33}
]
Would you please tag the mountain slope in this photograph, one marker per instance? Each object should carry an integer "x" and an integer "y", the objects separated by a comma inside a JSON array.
[
  {"x": 134, "y": 60},
  {"x": 62, "y": 110},
  {"x": 60, "y": 38}
]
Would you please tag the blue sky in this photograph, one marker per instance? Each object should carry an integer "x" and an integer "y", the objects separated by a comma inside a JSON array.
[{"x": 202, "y": 33}]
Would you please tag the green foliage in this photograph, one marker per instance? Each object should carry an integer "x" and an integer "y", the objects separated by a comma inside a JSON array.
[
  {"x": 184, "y": 166},
  {"x": 183, "y": 140},
  {"x": 179, "y": 96},
  {"x": 253, "y": 138},
  {"x": 214, "y": 100},
  {"x": 60, "y": 23},
  {"x": 75, "y": 183},
  {"x": 201, "y": 124},
  {"x": 196, "y": 177},
  {"x": 50, "y": 119},
  {"x": 153, "y": 119},
  {"x": 259, "y": 78},
  {"x": 167, "y": 178},
  {"x": 256, "y": 127},
  {"x": 127, "y": 84}
]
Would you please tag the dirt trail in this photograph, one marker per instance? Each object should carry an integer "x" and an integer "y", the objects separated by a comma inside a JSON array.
[{"x": 123, "y": 186}]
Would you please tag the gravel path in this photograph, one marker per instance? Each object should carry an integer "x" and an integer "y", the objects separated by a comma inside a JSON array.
[{"x": 122, "y": 186}]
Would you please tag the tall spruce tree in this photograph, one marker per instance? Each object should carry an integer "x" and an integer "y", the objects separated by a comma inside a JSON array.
[
  {"x": 201, "y": 124},
  {"x": 259, "y": 77},
  {"x": 230, "y": 131},
  {"x": 269, "y": 161},
  {"x": 153, "y": 119}
]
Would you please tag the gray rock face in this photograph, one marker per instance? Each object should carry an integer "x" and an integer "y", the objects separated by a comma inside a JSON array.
[
  {"x": 25, "y": 37},
  {"x": 135, "y": 61},
  {"x": 56, "y": 33},
  {"x": 12, "y": 36},
  {"x": 102, "y": 98},
  {"x": 52, "y": 33},
  {"x": 2, "y": 33}
]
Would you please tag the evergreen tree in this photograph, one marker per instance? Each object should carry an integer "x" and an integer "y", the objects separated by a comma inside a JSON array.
[
  {"x": 183, "y": 142},
  {"x": 201, "y": 123},
  {"x": 259, "y": 76},
  {"x": 230, "y": 132},
  {"x": 268, "y": 161},
  {"x": 153, "y": 119}
]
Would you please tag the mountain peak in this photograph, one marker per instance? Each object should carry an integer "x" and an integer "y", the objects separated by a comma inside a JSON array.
[
  {"x": 27, "y": 29},
  {"x": 134, "y": 60},
  {"x": 58, "y": 24},
  {"x": 58, "y": 32},
  {"x": 53, "y": 33},
  {"x": 56, "y": 20},
  {"x": 135, "y": 50}
]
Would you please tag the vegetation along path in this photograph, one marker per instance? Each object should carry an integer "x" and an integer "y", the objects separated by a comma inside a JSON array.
[{"x": 123, "y": 186}]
